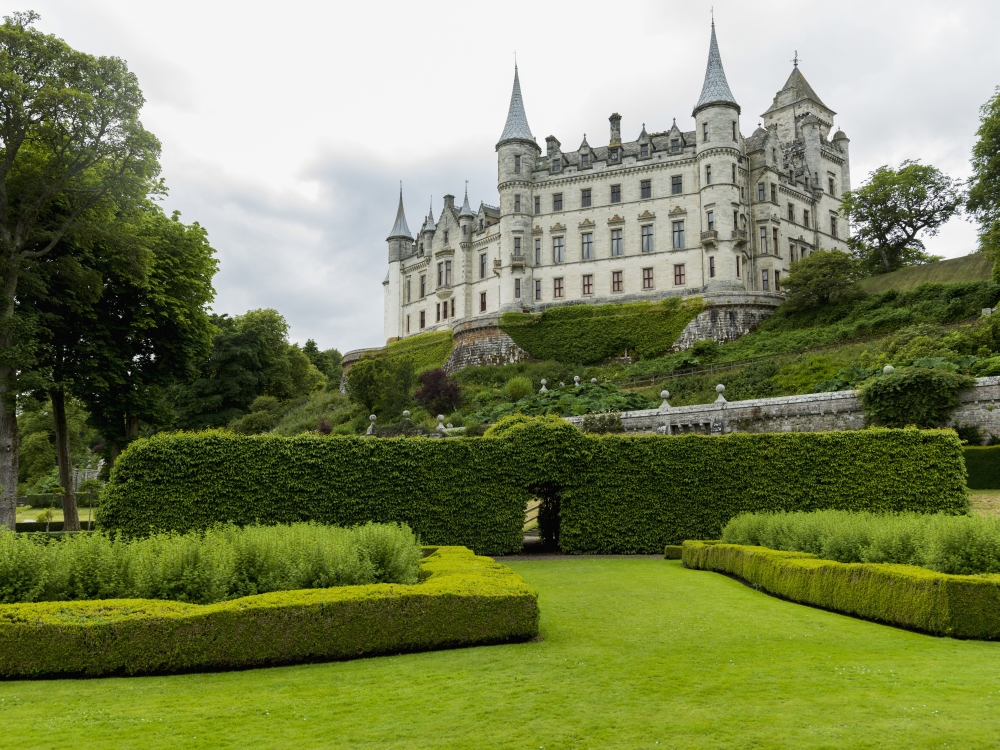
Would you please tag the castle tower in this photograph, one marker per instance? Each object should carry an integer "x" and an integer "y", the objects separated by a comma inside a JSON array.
[
  {"x": 517, "y": 151},
  {"x": 719, "y": 153},
  {"x": 400, "y": 245}
]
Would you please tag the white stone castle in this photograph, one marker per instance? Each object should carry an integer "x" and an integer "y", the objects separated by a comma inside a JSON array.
[{"x": 698, "y": 212}]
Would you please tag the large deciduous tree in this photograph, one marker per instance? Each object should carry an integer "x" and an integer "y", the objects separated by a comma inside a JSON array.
[
  {"x": 71, "y": 144},
  {"x": 984, "y": 191},
  {"x": 891, "y": 211},
  {"x": 820, "y": 277}
]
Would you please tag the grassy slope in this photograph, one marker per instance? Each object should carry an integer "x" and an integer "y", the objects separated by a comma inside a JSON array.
[
  {"x": 974, "y": 267},
  {"x": 634, "y": 652}
]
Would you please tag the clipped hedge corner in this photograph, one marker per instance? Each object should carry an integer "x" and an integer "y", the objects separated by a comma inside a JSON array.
[
  {"x": 463, "y": 600},
  {"x": 983, "y": 465},
  {"x": 903, "y": 595}
]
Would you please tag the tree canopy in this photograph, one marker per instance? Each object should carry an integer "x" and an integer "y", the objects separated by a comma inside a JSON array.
[
  {"x": 984, "y": 190},
  {"x": 818, "y": 278},
  {"x": 891, "y": 211}
]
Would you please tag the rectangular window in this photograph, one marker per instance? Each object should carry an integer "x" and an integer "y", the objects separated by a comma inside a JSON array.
[
  {"x": 452, "y": 307},
  {"x": 763, "y": 239},
  {"x": 711, "y": 221},
  {"x": 447, "y": 273},
  {"x": 833, "y": 226},
  {"x": 616, "y": 193},
  {"x": 482, "y": 266},
  {"x": 538, "y": 204},
  {"x": 423, "y": 319},
  {"x": 517, "y": 246},
  {"x": 647, "y": 278},
  {"x": 557, "y": 202},
  {"x": 556, "y": 164},
  {"x": 585, "y": 197},
  {"x": 407, "y": 323},
  {"x": 517, "y": 204},
  {"x": 557, "y": 288},
  {"x": 805, "y": 218},
  {"x": 440, "y": 274},
  {"x": 736, "y": 223},
  {"x": 407, "y": 290},
  {"x": 423, "y": 287},
  {"x": 711, "y": 267},
  {"x": 708, "y": 174},
  {"x": 538, "y": 289},
  {"x": 777, "y": 280},
  {"x": 446, "y": 238},
  {"x": 734, "y": 135},
  {"x": 538, "y": 251},
  {"x": 679, "y": 275},
  {"x": 832, "y": 192},
  {"x": 704, "y": 131},
  {"x": 587, "y": 245},
  {"x": 616, "y": 281},
  {"x": 517, "y": 163},
  {"x": 585, "y": 160},
  {"x": 438, "y": 308},
  {"x": 558, "y": 251},
  {"x": 675, "y": 144},
  {"x": 763, "y": 280},
  {"x": 616, "y": 242},
  {"x": 791, "y": 212},
  {"x": 465, "y": 229},
  {"x": 734, "y": 174},
  {"x": 774, "y": 193},
  {"x": 678, "y": 235},
  {"x": 647, "y": 238},
  {"x": 588, "y": 284},
  {"x": 646, "y": 189},
  {"x": 643, "y": 150},
  {"x": 482, "y": 302},
  {"x": 760, "y": 191},
  {"x": 776, "y": 246},
  {"x": 791, "y": 251},
  {"x": 517, "y": 289},
  {"x": 677, "y": 184}
]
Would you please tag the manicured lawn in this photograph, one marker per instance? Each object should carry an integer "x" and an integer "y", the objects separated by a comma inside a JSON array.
[
  {"x": 635, "y": 652},
  {"x": 985, "y": 502}
]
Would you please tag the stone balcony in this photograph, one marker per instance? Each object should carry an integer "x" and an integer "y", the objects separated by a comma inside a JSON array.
[
  {"x": 711, "y": 237},
  {"x": 740, "y": 236},
  {"x": 518, "y": 261}
]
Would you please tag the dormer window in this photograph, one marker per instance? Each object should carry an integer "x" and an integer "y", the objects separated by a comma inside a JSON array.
[
  {"x": 585, "y": 160},
  {"x": 555, "y": 164},
  {"x": 644, "y": 150},
  {"x": 517, "y": 163},
  {"x": 675, "y": 144}
]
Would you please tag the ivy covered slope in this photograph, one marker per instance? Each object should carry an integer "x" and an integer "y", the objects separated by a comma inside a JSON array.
[
  {"x": 462, "y": 600},
  {"x": 624, "y": 494},
  {"x": 587, "y": 334},
  {"x": 425, "y": 350}
]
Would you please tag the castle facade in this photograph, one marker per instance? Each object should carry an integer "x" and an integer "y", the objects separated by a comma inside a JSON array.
[{"x": 703, "y": 211}]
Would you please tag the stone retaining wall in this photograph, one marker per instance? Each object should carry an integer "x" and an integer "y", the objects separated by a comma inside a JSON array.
[{"x": 480, "y": 342}]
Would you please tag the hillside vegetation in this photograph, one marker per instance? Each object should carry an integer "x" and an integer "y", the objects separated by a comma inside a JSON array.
[{"x": 974, "y": 267}]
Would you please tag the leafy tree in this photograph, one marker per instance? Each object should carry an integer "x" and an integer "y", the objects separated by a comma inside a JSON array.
[
  {"x": 265, "y": 413},
  {"x": 327, "y": 362},
  {"x": 381, "y": 384},
  {"x": 820, "y": 277},
  {"x": 439, "y": 393},
  {"x": 916, "y": 396},
  {"x": 893, "y": 208},
  {"x": 72, "y": 145},
  {"x": 984, "y": 192}
]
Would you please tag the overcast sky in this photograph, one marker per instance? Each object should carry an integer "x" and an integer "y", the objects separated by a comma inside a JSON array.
[{"x": 286, "y": 127}]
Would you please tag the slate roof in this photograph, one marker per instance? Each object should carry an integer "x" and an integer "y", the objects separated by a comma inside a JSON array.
[
  {"x": 399, "y": 229},
  {"x": 517, "y": 121},
  {"x": 715, "y": 90},
  {"x": 756, "y": 141},
  {"x": 800, "y": 89},
  {"x": 466, "y": 208}
]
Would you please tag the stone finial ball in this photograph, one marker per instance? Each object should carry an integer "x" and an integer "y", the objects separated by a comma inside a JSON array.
[
  {"x": 440, "y": 417},
  {"x": 888, "y": 370},
  {"x": 372, "y": 418},
  {"x": 562, "y": 384},
  {"x": 544, "y": 381},
  {"x": 576, "y": 379},
  {"x": 720, "y": 388},
  {"x": 406, "y": 414},
  {"x": 594, "y": 381},
  {"x": 664, "y": 395}
]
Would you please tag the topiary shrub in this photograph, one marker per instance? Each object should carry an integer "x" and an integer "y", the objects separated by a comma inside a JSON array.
[
  {"x": 915, "y": 396},
  {"x": 517, "y": 388}
]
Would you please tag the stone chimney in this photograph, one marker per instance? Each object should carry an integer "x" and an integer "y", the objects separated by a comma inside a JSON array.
[{"x": 616, "y": 129}]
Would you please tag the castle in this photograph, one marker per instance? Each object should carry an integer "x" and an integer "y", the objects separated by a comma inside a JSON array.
[{"x": 700, "y": 212}]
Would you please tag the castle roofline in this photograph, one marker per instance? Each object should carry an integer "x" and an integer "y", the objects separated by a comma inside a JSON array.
[
  {"x": 399, "y": 228},
  {"x": 516, "y": 128},
  {"x": 796, "y": 89},
  {"x": 715, "y": 90}
]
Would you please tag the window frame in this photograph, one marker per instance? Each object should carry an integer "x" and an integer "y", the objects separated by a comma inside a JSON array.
[
  {"x": 677, "y": 231},
  {"x": 586, "y": 197},
  {"x": 646, "y": 234},
  {"x": 710, "y": 220},
  {"x": 708, "y": 174},
  {"x": 616, "y": 193},
  {"x": 588, "y": 284},
  {"x": 517, "y": 288},
  {"x": 517, "y": 163},
  {"x": 616, "y": 243},
  {"x": 482, "y": 302},
  {"x": 617, "y": 282},
  {"x": 517, "y": 203},
  {"x": 764, "y": 283},
  {"x": 587, "y": 246},
  {"x": 680, "y": 274},
  {"x": 538, "y": 251},
  {"x": 538, "y": 289},
  {"x": 557, "y": 287},
  {"x": 648, "y": 281},
  {"x": 538, "y": 205},
  {"x": 559, "y": 249},
  {"x": 676, "y": 184},
  {"x": 557, "y": 202},
  {"x": 711, "y": 266},
  {"x": 645, "y": 189}
]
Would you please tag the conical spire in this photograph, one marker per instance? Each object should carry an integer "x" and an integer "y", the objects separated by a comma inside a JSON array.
[
  {"x": 430, "y": 217},
  {"x": 517, "y": 122},
  {"x": 399, "y": 229},
  {"x": 466, "y": 208},
  {"x": 716, "y": 88}
]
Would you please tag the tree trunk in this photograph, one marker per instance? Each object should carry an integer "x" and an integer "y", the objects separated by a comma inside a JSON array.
[
  {"x": 71, "y": 518},
  {"x": 8, "y": 453}
]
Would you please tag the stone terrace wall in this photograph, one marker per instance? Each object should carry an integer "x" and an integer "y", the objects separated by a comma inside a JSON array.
[
  {"x": 814, "y": 412},
  {"x": 480, "y": 342},
  {"x": 727, "y": 317}
]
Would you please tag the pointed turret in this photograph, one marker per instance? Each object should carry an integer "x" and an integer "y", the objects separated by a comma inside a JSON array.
[
  {"x": 429, "y": 226},
  {"x": 517, "y": 122},
  {"x": 466, "y": 208},
  {"x": 399, "y": 229},
  {"x": 715, "y": 90}
]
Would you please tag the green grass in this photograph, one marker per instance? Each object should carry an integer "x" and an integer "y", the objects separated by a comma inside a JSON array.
[
  {"x": 634, "y": 652},
  {"x": 974, "y": 267}
]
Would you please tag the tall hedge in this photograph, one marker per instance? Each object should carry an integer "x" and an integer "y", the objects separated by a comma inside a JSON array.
[
  {"x": 614, "y": 493},
  {"x": 585, "y": 334},
  {"x": 983, "y": 465}
]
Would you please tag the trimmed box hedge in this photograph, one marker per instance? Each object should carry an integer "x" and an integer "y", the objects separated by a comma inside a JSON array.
[
  {"x": 607, "y": 493},
  {"x": 84, "y": 500},
  {"x": 983, "y": 465},
  {"x": 463, "y": 600},
  {"x": 903, "y": 595}
]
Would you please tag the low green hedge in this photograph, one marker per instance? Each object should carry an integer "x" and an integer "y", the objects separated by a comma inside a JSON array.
[
  {"x": 462, "y": 600},
  {"x": 983, "y": 465},
  {"x": 904, "y": 595},
  {"x": 83, "y": 500}
]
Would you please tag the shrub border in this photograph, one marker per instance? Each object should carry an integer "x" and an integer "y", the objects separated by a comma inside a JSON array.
[
  {"x": 903, "y": 595},
  {"x": 462, "y": 600}
]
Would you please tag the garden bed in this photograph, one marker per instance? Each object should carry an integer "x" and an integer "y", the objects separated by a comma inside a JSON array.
[
  {"x": 904, "y": 595},
  {"x": 462, "y": 600}
]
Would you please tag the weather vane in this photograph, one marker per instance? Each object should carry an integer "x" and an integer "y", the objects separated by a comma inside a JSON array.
[{"x": 795, "y": 60}]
